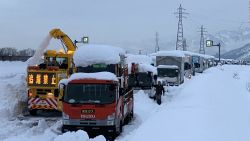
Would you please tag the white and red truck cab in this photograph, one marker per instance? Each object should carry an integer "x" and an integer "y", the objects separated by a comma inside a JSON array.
[
  {"x": 97, "y": 97},
  {"x": 95, "y": 104}
]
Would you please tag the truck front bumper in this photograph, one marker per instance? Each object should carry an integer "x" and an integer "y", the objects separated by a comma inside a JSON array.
[
  {"x": 107, "y": 126},
  {"x": 93, "y": 129}
]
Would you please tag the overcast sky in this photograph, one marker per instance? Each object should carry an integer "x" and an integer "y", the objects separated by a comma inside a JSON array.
[{"x": 24, "y": 23}]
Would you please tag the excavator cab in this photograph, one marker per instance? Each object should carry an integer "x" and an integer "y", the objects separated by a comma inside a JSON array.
[{"x": 57, "y": 59}]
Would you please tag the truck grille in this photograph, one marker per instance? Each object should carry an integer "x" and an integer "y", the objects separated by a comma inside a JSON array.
[{"x": 87, "y": 122}]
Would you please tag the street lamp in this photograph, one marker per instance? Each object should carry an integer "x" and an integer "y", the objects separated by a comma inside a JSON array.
[
  {"x": 209, "y": 43},
  {"x": 84, "y": 40}
]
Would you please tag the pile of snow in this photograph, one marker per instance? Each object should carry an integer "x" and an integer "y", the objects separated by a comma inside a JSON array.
[
  {"x": 174, "y": 53},
  {"x": 42, "y": 132},
  {"x": 78, "y": 136},
  {"x": 37, "y": 58},
  {"x": 213, "y": 106},
  {"x": 97, "y": 54},
  {"x": 13, "y": 88},
  {"x": 97, "y": 76},
  {"x": 144, "y": 109}
]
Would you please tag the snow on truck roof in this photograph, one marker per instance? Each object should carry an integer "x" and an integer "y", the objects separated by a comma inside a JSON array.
[
  {"x": 97, "y": 76},
  {"x": 144, "y": 62},
  {"x": 174, "y": 53},
  {"x": 97, "y": 54},
  {"x": 179, "y": 53},
  {"x": 131, "y": 58},
  {"x": 198, "y": 54},
  {"x": 168, "y": 66},
  {"x": 142, "y": 67}
]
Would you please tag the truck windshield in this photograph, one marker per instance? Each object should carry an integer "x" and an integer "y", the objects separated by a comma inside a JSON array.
[
  {"x": 90, "y": 93},
  {"x": 144, "y": 77},
  {"x": 167, "y": 72}
]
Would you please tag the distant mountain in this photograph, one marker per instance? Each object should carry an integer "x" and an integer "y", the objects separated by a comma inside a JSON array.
[
  {"x": 229, "y": 39},
  {"x": 242, "y": 53}
]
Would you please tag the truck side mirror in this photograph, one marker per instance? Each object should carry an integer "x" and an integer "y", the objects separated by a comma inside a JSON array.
[
  {"x": 71, "y": 71},
  {"x": 62, "y": 90},
  {"x": 56, "y": 93},
  {"x": 62, "y": 86}
]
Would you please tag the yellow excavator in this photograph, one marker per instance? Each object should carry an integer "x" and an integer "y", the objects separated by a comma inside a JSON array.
[{"x": 42, "y": 79}]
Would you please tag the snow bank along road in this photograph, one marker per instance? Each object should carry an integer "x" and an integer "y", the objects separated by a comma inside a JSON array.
[{"x": 212, "y": 106}]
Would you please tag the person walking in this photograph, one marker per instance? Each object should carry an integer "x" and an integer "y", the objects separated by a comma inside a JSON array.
[{"x": 159, "y": 90}]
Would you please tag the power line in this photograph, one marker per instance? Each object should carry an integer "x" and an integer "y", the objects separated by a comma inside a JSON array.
[{"x": 180, "y": 40}]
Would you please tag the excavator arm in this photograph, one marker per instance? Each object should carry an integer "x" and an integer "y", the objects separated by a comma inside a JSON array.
[{"x": 58, "y": 34}]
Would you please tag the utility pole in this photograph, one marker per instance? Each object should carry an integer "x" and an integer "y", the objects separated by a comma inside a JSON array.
[
  {"x": 202, "y": 40},
  {"x": 157, "y": 47},
  {"x": 179, "y": 42},
  {"x": 249, "y": 13},
  {"x": 140, "y": 52},
  {"x": 210, "y": 43},
  {"x": 185, "y": 44}
]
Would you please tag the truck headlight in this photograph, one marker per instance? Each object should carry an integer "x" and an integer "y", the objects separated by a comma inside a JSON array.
[
  {"x": 66, "y": 122},
  {"x": 65, "y": 116},
  {"x": 111, "y": 117}
]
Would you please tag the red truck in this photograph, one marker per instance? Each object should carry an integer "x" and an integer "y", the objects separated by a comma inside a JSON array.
[{"x": 97, "y": 98}]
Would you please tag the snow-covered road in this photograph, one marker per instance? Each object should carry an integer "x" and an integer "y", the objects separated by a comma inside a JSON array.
[{"x": 211, "y": 106}]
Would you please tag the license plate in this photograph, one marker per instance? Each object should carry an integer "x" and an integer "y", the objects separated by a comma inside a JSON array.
[
  {"x": 88, "y": 111},
  {"x": 87, "y": 116},
  {"x": 42, "y": 102}
]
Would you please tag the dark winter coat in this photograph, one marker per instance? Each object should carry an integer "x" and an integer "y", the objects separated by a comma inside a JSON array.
[{"x": 159, "y": 90}]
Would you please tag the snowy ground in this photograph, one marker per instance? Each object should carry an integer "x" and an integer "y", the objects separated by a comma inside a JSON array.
[
  {"x": 210, "y": 106},
  {"x": 213, "y": 106}
]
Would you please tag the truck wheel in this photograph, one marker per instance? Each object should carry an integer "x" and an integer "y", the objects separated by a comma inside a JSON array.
[
  {"x": 33, "y": 112},
  {"x": 63, "y": 129},
  {"x": 132, "y": 114}
]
